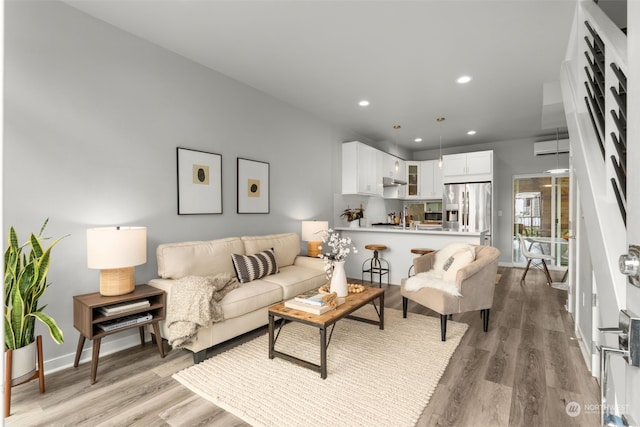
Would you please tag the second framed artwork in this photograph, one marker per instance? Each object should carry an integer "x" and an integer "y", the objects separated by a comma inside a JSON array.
[{"x": 253, "y": 186}]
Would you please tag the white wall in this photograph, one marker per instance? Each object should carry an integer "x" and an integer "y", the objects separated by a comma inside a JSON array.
[
  {"x": 93, "y": 117},
  {"x": 509, "y": 158}
]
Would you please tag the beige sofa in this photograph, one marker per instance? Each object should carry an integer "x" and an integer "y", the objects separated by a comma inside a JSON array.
[{"x": 245, "y": 308}]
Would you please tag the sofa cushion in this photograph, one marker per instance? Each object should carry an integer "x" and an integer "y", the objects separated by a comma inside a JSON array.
[
  {"x": 286, "y": 246},
  {"x": 249, "y": 297},
  {"x": 458, "y": 260},
  {"x": 252, "y": 267},
  {"x": 294, "y": 280},
  {"x": 201, "y": 258}
]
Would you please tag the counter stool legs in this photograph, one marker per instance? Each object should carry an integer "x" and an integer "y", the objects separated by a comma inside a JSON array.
[{"x": 375, "y": 265}]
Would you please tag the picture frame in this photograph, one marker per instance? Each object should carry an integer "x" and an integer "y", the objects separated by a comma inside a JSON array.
[
  {"x": 253, "y": 186},
  {"x": 199, "y": 182}
]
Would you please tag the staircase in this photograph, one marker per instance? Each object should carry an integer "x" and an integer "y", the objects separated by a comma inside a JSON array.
[{"x": 594, "y": 94}]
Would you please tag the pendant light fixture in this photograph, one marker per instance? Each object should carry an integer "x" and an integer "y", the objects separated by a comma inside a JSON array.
[
  {"x": 397, "y": 164},
  {"x": 558, "y": 169},
  {"x": 440, "y": 120}
]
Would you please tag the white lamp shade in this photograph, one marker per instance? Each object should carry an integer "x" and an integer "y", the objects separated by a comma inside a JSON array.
[
  {"x": 116, "y": 247},
  {"x": 312, "y": 230}
]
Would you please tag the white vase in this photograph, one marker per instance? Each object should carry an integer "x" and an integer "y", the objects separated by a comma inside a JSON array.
[
  {"x": 23, "y": 363},
  {"x": 339, "y": 279},
  {"x": 354, "y": 224}
]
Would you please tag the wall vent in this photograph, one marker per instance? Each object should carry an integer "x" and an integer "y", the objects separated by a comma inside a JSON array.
[{"x": 549, "y": 147}]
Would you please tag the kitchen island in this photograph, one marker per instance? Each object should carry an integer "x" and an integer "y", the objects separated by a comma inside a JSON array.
[{"x": 399, "y": 243}]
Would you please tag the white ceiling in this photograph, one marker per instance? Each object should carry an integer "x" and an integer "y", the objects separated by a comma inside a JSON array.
[{"x": 403, "y": 56}]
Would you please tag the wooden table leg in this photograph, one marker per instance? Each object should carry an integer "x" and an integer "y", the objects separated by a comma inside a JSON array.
[
  {"x": 156, "y": 332},
  {"x": 94, "y": 359},
  {"x": 79, "y": 350},
  {"x": 141, "y": 328}
]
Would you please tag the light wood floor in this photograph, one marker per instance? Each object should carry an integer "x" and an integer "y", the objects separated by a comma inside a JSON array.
[{"x": 522, "y": 372}]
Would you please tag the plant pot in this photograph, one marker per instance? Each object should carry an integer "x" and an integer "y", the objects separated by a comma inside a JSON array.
[
  {"x": 23, "y": 363},
  {"x": 354, "y": 224}
]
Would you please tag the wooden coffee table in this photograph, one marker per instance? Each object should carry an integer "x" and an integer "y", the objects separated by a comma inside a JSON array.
[{"x": 323, "y": 322}]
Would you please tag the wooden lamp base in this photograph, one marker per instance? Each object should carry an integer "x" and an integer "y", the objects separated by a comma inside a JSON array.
[
  {"x": 117, "y": 281},
  {"x": 314, "y": 249}
]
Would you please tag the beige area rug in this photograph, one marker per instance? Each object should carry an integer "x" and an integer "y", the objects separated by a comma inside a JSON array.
[{"x": 375, "y": 378}]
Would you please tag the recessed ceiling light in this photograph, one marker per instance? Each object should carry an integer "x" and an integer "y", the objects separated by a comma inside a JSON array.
[
  {"x": 464, "y": 79},
  {"x": 471, "y": 132},
  {"x": 417, "y": 140},
  {"x": 363, "y": 103}
]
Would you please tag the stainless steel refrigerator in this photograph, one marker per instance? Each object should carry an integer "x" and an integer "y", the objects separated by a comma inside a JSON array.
[{"x": 467, "y": 207}]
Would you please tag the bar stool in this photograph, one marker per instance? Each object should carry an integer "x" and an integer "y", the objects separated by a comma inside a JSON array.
[
  {"x": 376, "y": 265},
  {"x": 418, "y": 251}
]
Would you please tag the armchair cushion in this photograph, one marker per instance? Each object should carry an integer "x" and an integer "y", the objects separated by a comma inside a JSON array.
[
  {"x": 457, "y": 261},
  {"x": 443, "y": 255},
  {"x": 431, "y": 279}
]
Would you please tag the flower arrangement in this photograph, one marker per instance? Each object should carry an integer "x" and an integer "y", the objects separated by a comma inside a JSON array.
[
  {"x": 352, "y": 214},
  {"x": 340, "y": 248}
]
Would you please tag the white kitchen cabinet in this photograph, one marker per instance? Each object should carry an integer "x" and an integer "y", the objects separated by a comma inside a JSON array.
[
  {"x": 430, "y": 180},
  {"x": 466, "y": 167},
  {"x": 361, "y": 169},
  {"x": 413, "y": 180},
  {"x": 393, "y": 168}
]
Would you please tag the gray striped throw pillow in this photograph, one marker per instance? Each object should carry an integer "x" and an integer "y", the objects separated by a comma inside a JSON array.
[{"x": 252, "y": 267}]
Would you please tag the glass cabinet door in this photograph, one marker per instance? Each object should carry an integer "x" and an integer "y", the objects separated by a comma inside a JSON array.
[{"x": 413, "y": 171}]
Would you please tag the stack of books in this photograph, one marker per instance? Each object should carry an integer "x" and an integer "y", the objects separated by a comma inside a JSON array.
[
  {"x": 109, "y": 310},
  {"x": 311, "y": 302},
  {"x": 122, "y": 322}
]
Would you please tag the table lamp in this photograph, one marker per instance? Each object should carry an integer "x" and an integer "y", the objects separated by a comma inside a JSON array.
[
  {"x": 312, "y": 233},
  {"x": 116, "y": 251}
]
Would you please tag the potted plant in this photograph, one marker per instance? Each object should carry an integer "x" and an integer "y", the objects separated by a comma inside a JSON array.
[
  {"x": 353, "y": 215},
  {"x": 25, "y": 281}
]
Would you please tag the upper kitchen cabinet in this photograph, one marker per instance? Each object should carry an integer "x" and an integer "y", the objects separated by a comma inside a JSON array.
[
  {"x": 360, "y": 169},
  {"x": 393, "y": 168},
  {"x": 468, "y": 167},
  {"x": 393, "y": 176},
  {"x": 430, "y": 180},
  {"x": 413, "y": 180}
]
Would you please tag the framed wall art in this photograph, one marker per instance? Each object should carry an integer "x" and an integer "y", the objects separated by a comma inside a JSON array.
[
  {"x": 253, "y": 186},
  {"x": 199, "y": 182}
]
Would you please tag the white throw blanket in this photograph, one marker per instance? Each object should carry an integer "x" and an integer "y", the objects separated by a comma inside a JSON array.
[
  {"x": 431, "y": 279},
  {"x": 194, "y": 304}
]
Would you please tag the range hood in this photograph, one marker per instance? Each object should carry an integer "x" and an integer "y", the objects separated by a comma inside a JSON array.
[{"x": 391, "y": 182}]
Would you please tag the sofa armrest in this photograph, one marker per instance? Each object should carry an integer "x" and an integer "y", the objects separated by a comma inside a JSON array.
[{"x": 309, "y": 262}]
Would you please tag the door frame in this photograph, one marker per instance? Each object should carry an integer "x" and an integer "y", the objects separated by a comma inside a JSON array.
[{"x": 515, "y": 262}]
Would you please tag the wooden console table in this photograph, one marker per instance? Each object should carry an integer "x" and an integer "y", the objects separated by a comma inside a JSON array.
[{"x": 87, "y": 317}]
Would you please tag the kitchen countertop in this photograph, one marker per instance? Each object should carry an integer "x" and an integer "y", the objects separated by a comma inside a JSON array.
[
  {"x": 433, "y": 230},
  {"x": 399, "y": 243}
]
